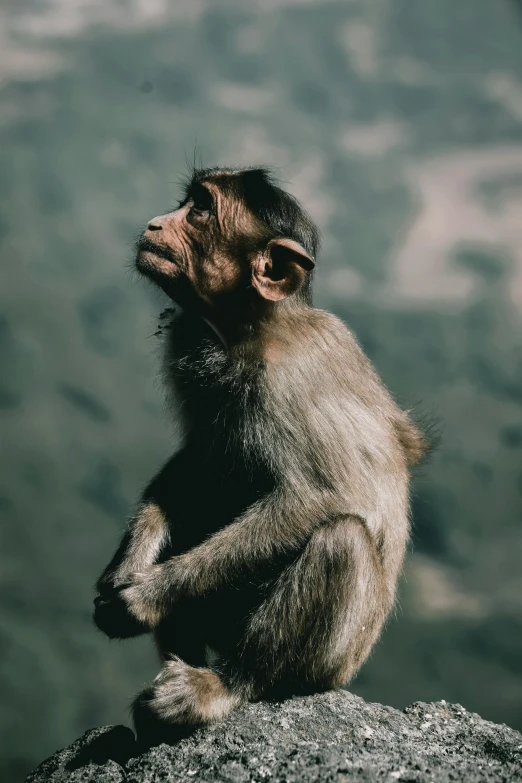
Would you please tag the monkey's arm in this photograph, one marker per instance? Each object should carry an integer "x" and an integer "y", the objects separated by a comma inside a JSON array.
[
  {"x": 146, "y": 534},
  {"x": 270, "y": 528},
  {"x": 139, "y": 548}
]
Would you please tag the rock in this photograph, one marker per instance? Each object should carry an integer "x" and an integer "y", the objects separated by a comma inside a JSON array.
[{"x": 328, "y": 737}]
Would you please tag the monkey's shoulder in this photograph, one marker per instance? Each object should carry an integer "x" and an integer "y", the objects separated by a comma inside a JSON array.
[
  {"x": 318, "y": 357},
  {"x": 313, "y": 340}
]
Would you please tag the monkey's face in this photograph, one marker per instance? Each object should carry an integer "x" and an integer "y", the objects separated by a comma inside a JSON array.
[
  {"x": 212, "y": 253},
  {"x": 196, "y": 253}
]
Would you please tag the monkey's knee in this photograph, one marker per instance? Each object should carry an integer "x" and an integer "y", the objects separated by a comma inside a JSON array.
[
  {"x": 323, "y": 615},
  {"x": 181, "y": 696},
  {"x": 362, "y": 602}
]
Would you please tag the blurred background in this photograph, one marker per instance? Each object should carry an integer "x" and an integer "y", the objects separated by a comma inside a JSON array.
[{"x": 399, "y": 125}]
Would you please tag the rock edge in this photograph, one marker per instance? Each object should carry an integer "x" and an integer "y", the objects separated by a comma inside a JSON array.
[{"x": 327, "y": 737}]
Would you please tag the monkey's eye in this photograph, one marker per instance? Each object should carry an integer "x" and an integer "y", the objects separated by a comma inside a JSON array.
[
  {"x": 199, "y": 210},
  {"x": 201, "y": 202}
]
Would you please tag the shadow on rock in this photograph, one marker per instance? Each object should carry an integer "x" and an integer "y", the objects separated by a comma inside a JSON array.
[{"x": 116, "y": 744}]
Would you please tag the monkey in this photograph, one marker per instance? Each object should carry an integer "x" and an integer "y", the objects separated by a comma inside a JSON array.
[{"x": 264, "y": 556}]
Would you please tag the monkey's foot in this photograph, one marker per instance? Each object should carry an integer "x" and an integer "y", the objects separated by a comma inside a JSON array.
[{"x": 181, "y": 696}]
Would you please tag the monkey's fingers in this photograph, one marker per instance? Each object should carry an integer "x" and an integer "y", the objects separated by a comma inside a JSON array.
[
  {"x": 106, "y": 588},
  {"x": 114, "y": 620},
  {"x": 143, "y": 603}
]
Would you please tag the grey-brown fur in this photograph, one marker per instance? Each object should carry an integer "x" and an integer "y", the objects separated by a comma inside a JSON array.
[{"x": 274, "y": 538}]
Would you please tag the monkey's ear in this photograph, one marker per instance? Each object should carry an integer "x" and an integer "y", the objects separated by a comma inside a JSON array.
[{"x": 280, "y": 269}]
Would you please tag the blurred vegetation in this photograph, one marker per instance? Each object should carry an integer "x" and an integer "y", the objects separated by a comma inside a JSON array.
[{"x": 370, "y": 111}]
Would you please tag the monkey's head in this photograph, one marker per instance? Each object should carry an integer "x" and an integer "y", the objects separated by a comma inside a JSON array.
[{"x": 235, "y": 241}]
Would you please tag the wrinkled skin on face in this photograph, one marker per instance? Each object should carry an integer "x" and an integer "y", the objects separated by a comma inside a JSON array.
[
  {"x": 212, "y": 254},
  {"x": 200, "y": 252}
]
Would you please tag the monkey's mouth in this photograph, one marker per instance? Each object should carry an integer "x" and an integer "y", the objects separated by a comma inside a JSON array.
[{"x": 145, "y": 248}]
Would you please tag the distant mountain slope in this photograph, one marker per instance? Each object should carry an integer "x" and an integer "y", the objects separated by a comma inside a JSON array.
[{"x": 399, "y": 125}]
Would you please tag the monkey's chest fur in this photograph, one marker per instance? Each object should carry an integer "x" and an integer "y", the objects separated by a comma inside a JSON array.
[
  {"x": 207, "y": 500},
  {"x": 226, "y": 468},
  {"x": 220, "y": 403},
  {"x": 210, "y": 496}
]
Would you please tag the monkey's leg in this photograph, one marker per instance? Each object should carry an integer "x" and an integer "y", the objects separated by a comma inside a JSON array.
[
  {"x": 185, "y": 693},
  {"x": 182, "y": 634},
  {"x": 322, "y": 617},
  {"x": 181, "y": 697}
]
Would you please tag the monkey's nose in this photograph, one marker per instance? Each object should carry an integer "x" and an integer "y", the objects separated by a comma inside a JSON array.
[{"x": 154, "y": 227}]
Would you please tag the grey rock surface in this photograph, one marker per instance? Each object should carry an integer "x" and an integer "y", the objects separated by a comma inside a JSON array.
[{"x": 328, "y": 737}]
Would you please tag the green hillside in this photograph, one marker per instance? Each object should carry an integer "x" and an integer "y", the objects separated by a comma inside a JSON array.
[{"x": 399, "y": 125}]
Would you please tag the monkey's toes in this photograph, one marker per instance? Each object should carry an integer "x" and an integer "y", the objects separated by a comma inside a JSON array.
[{"x": 150, "y": 729}]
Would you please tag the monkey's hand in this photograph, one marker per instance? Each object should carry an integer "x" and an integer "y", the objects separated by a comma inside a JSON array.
[
  {"x": 149, "y": 595},
  {"x": 113, "y": 618}
]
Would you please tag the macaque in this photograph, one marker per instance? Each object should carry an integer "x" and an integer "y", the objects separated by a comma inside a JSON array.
[{"x": 264, "y": 556}]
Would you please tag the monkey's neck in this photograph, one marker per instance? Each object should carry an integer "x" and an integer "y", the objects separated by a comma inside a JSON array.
[
  {"x": 245, "y": 326},
  {"x": 217, "y": 331},
  {"x": 231, "y": 332}
]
